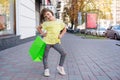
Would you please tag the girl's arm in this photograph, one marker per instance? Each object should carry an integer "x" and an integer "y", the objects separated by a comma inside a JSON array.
[
  {"x": 39, "y": 29},
  {"x": 62, "y": 33}
]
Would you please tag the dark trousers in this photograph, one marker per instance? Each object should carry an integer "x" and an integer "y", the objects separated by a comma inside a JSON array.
[{"x": 58, "y": 48}]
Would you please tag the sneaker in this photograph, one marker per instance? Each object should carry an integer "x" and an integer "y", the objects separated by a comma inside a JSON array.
[
  {"x": 61, "y": 70},
  {"x": 46, "y": 73}
]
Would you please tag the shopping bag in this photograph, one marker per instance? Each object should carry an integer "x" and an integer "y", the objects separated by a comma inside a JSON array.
[{"x": 37, "y": 49}]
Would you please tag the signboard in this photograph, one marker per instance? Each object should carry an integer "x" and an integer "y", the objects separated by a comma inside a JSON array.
[{"x": 91, "y": 20}]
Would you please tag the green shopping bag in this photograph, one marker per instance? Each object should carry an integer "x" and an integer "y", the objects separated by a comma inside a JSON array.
[{"x": 37, "y": 49}]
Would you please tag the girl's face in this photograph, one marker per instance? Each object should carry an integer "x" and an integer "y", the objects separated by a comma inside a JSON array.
[{"x": 48, "y": 16}]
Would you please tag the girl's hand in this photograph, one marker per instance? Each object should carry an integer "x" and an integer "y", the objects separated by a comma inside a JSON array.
[
  {"x": 60, "y": 36},
  {"x": 44, "y": 34},
  {"x": 62, "y": 33}
]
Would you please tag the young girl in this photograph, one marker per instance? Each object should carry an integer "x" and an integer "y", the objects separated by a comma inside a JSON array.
[{"x": 55, "y": 29}]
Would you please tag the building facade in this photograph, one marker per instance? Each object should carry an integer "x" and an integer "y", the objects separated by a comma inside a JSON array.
[
  {"x": 25, "y": 18},
  {"x": 117, "y": 11},
  {"x": 19, "y": 18}
]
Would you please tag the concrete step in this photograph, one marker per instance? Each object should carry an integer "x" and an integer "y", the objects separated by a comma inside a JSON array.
[{"x": 12, "y": 40}]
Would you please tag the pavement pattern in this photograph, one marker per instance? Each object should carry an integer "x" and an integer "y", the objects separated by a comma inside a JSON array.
[{"x": 87, "y": 59}]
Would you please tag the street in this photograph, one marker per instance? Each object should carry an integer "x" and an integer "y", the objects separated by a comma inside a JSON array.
[{"x": 87, "y": 59}]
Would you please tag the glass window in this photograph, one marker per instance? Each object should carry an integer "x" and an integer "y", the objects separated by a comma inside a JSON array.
[{"x": 6, "y": 17}]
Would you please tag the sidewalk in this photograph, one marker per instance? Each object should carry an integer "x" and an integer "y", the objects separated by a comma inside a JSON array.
[{"x": 87, "y": 59}]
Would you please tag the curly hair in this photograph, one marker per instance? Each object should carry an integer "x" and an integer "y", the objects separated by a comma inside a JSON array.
[{"x": 42, "y": 13}]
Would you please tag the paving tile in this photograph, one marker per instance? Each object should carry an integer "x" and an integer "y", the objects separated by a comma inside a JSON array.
[{"x": 87, "y": 59}]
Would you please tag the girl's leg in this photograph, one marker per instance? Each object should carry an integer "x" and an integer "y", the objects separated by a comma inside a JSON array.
[
  {"x": 59, "y": 48},
  {"x": 45, "y": 56}
]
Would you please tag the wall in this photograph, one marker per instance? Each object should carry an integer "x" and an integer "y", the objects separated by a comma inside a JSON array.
[{"x": 25, "y": 18}]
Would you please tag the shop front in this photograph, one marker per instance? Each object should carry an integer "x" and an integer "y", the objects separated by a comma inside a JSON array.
[
  {"x": 18, "y": 21},
  {"x": 7, "y": 17}
]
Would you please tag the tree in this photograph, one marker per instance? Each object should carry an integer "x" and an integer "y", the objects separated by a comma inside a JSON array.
[{"x": 102, "y": 8}]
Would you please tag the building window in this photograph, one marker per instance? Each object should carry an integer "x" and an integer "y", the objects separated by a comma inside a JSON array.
[{"x": 6, "y": 17}]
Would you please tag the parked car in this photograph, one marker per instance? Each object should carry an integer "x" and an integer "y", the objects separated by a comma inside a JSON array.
[
  {"x": 99, "y": 32},
  {"x": 82, "y": 31},
  {"x": 73, "y": 31},
  {"x": 93, "y": 32},
  {"x": 87, "y": 31},
  {"x": 113, "y": 32}
]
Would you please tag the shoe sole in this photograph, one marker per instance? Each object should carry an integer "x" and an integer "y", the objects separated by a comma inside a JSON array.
[{"x": 47, "y": 75}]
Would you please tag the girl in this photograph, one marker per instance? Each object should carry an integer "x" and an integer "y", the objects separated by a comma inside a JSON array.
[{"x": 55, "y": 29}]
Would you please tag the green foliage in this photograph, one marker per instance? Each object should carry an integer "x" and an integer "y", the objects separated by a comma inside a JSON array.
[
  {"x": 86, "y": 6},
  {"x": 90, "y": 36}
]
